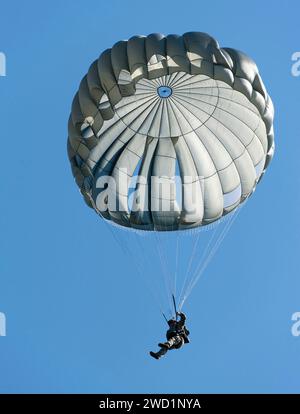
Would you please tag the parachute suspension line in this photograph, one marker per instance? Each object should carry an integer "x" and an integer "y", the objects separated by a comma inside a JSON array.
[
  {"x": 203, "y": 265},
  {"x": 139, "y": 268},
  {"x": 175, "y": 307},
  {"x": 159, "y": 249},
  {"x": 203, "y": 256},
  {"x": 176, "y": 263},
  {"x": 222, "y": 236},
  {"x": 124, "y": 247},
  {"x": 127, "y": 251},
  {"x": 165, "y": 318},
  {"x": 107, "y": 225},
  {"x": 188, "y": 278},
  {"x": 138, "y": 263},
  {"x": 191, "y": 261},
  {"x": 174, "y": 247},
  {"x": 154, "y": 291}
]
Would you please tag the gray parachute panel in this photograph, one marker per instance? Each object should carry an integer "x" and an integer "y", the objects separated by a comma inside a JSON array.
[{"x": 164, "y": 106}]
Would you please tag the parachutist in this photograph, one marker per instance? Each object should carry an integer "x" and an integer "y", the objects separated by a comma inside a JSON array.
[
  {"x": 177, "y": 335},
  {"x": 146, "y": 127}
]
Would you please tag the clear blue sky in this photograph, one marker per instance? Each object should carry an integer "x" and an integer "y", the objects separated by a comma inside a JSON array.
[{"x": 61, "y": 286}]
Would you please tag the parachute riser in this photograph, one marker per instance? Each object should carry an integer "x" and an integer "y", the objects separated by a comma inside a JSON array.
[
  {"x": 165, "y": 318},
  {"x": 175, "y": 307}
]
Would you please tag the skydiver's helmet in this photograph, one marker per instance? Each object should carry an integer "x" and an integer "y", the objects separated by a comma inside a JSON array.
[{"x": 171, "y": 322}]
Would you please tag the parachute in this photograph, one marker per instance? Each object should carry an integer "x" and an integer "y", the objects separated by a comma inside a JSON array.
[{"x": 170, "y": 134}]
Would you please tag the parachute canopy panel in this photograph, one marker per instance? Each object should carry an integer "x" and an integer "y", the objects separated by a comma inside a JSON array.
[{"x": 156, "y": 108}]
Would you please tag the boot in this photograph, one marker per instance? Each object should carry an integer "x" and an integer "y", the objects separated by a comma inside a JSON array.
[
  {"x": 154, "y": 355},
  {"x": 165, "y": 345}
]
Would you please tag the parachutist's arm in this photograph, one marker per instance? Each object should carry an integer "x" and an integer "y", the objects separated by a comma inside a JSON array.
[{"x": 182, "y": 320}]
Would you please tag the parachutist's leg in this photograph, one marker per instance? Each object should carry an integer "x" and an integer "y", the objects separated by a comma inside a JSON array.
[
  {"x": 176, "y": 342},
  {"x": 165, "y": 345},
  {"x": 173, "y": 343},
  {"x": 159, "y": 354},
  {"x": 170, "y": 343}
]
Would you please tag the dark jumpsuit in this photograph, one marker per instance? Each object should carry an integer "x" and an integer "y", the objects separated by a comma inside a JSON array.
[{"x": 177, "y": 335}]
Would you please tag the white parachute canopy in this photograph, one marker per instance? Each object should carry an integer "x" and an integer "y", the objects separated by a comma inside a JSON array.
[{"x": 170, "y": 133}]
